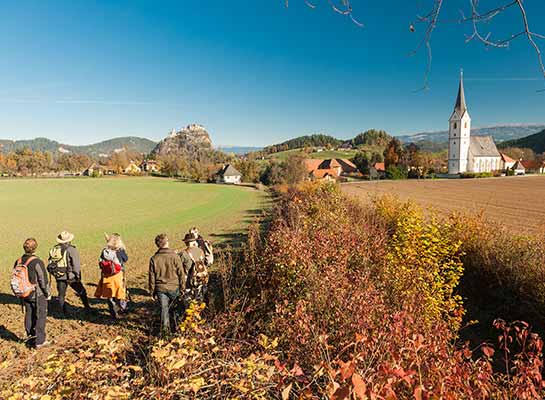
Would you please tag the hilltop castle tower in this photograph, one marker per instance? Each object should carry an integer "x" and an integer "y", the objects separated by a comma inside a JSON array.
[{"x": 459, "y": 134}]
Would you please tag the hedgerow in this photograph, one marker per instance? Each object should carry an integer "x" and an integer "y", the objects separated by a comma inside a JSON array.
[{"x": 333, "y": 299}]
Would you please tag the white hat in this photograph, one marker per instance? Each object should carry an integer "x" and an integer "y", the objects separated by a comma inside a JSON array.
[{"x": 65, "y": 237}]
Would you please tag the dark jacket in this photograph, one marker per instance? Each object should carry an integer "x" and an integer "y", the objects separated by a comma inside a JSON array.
[
  {"x": 166, "y": 272},
  {"x": 37, "y": 275},
  {"x": 197, "y": 253},
  {"x": 73, "y": 265}
]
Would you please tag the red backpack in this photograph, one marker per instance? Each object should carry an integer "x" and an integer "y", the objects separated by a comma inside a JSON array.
[
  {"x": 20, "y": 283},
  {"x": 109, "y": 263}
]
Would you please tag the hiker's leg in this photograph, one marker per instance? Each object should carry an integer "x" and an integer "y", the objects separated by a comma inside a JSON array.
[
  {"x": 123, "y": 305},
  {"x": 29, "y": 318},
  {"x": 61, "y": 288},
  {"x": 173, "y": 314},
  {"x": 41, "y": 318},
  {"x": 82, "y": 293},
  {"x": 112, "y": 306},
  {"x": 164, "y": 303}
]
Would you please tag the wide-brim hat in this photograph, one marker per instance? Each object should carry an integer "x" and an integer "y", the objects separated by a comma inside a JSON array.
[
  {"x": 189, "y": 237},
  {"x": 65, "y": 237}
]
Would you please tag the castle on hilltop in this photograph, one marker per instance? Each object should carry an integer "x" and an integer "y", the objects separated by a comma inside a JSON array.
[{"x": 468, "y": 153}]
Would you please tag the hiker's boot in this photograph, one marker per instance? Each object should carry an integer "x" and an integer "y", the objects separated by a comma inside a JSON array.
[
  {"x": 85, "y": 301},
  {"x": 66, "y": 313}
]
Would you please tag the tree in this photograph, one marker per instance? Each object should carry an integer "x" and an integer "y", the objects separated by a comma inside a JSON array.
[
  {"x": 518, "y": 153},
  {"x": 362, "y": 161},
  {"x": 394, "y": 153},
  {"x": 293, "y": 169},
  {"x": 371, "y": 137},
  {"x": 250, "y": 170}
]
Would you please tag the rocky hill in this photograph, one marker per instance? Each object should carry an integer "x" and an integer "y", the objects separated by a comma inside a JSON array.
[
  {"x": 188, "y": 141},
  {"x": 536, "y": 142},
  {"x": 140, "y": 145}
]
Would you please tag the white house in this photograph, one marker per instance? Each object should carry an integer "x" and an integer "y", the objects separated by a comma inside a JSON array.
[
  {"x": 468, "y": 153},
  {"x": 507, "y": 162},
  {"x": 229, "y": 174}
]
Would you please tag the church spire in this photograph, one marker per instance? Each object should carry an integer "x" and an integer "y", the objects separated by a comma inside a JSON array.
[{"x": 461, "y": 107}]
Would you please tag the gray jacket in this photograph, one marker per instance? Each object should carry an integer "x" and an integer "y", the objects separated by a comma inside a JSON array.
[{"x": 73, "y": 263}]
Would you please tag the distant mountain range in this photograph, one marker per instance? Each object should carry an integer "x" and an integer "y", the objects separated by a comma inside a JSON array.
[
  {"x": 106, "y": 147},
  {"x": 500, "y": 133},
  {"x": 239, "y": 150}
]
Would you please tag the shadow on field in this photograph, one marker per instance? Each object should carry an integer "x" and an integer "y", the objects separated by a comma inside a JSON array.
[
  {"x": 6, "y": 334},
  {"x": 7, "y": 298}
]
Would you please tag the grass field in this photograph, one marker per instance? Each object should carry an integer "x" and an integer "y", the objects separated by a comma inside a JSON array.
[
  {"x": 137, "y": 208},
  {"x": 516, "y": 202}
]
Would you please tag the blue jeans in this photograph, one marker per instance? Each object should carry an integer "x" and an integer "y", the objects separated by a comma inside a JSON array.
[{"x": 166, "y": 301}]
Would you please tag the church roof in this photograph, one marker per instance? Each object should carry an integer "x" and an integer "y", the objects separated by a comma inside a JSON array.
[
  {"x": 460, "y": 106},
  {"x": 483, "y": 146},
  {"x": 229, "y": 170}
]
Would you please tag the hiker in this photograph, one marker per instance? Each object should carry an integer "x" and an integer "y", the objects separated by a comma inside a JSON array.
[
  {"x": 29, "y": 283},
  {"x": 64, "y": 265},
  {"x": 195, "y": 267},
  {"x": 112, "y": 275},
  {"x": 205, "y": 246},
  {"x": 166, "y": 281}
]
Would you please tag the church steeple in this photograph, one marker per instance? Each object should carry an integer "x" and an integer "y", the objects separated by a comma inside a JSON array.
[{"x": 461, "y": 107}]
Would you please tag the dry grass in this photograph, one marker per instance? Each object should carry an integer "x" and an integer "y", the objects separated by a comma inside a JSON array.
[{"x": 516, "y": 202}]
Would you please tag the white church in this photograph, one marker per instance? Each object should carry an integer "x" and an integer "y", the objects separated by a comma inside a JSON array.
[{"x": 468, "y": 153}]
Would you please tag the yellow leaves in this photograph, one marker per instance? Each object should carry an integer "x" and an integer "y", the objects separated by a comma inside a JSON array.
[
  {"x": 71, "y": 370},
  {"x": 117, "y": 393},
  {"x": 177, "y": 364},
  {"x": 46, "y": 397},
  {"x": 195, "y": 384},
  {"x": 266, "y": 343}
]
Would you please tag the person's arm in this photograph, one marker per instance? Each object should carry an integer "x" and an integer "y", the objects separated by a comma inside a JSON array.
[
  {"x": 181, "y": 272},
  {"x": 122, "y": 255},
  {"x": 151, "y": 277},
  {"x": 41, "y": 278},
  {"x": 74, "y": 265}
]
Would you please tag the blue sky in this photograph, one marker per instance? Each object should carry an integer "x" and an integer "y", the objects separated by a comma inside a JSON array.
[{"x": 252, "y": 72}]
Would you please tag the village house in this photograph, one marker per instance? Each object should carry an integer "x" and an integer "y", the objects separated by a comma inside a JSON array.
[
  {"x": 377, "y": 171},
  {"x": 507, "y": 162},
  {"x": 468, "y": 153},
  {"x": 132, "y": 169},
  {"x": 330, "y": 169},
  {"x": 229, "y": 174},
  {"x": 518, "y": 168},
  {"x": 149, "y": 166},
  {"x": 533, "y": 166}
]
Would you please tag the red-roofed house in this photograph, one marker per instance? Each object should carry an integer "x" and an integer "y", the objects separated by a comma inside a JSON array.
[
  {"x": 332, "y": 168},
  {"x": 506, "y": 161},
  {"x": 533, "y": 166}
]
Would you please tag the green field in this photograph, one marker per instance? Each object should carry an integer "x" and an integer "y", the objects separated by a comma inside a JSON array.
[
  {"x": 137, "y": 208},
  {"x": 323, "y": 155}
]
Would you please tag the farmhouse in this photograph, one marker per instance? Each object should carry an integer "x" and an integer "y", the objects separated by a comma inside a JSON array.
[
  {"x": 507, "y": 162},
  {"x": 329, "y": 169},
  {"x": 518, "y": 168},
  {"x": 468, "y": 153},
  {"x": 94, "y": 169},
  {"x": 229, "y": 174},
  {"x": 533, "y": 166},
  {"x": 149, "y": 166}
]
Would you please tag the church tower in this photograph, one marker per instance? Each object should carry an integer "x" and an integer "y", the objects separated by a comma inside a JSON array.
[{"x": 459, "y": 134}]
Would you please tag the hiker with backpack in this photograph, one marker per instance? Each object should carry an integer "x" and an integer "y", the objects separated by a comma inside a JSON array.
[
  {"x": 112, "y": 275},
  {"x": 205, "y": 246},
  {"x": 166, "y": 281},
  {"x": 196, "y": 269},
  {"x": 29, "y": 283},
  {"x": 64, "y": 266}
]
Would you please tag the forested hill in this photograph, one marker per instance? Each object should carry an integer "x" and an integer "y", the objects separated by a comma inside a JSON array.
[
  {"x": 536, "y": 142},
  {"x": 300, "y": 142},
  {"x": 137, "y": 144}
]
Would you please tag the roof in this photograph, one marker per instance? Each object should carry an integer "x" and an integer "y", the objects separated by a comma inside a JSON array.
[
  {"x": 531, "y": 164},
  {"x": 506, "y": 158},
  {"x": 331, "y": 163},
  {"x": 347, "y": 165},
  {"x": 460, "y": 106},
  {"x": 311, "y": 164},
  {"x": 483, "y": 146},
  {"x": 229, "y": 170},
  {"x": 379, "y": 166},
  {"x": 322, "y": 173},
  {"x": 519, "y": 165}
]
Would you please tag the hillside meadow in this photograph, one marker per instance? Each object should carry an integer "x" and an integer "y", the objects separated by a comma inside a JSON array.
[{"x": 137, "y": 208}]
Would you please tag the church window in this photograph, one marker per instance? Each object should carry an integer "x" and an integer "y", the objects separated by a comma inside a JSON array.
[
  {"x": 455, "y": 125},
  {"x": 465, "y": 125}
]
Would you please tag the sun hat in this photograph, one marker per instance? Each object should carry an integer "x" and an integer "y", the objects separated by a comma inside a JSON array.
[
  {"x": 65, "y": 237},
  {"x": 189, "y": 237}
]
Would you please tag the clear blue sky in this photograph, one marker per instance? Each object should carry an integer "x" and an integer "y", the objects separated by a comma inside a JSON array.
[{"x": 252, "y": 72}]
